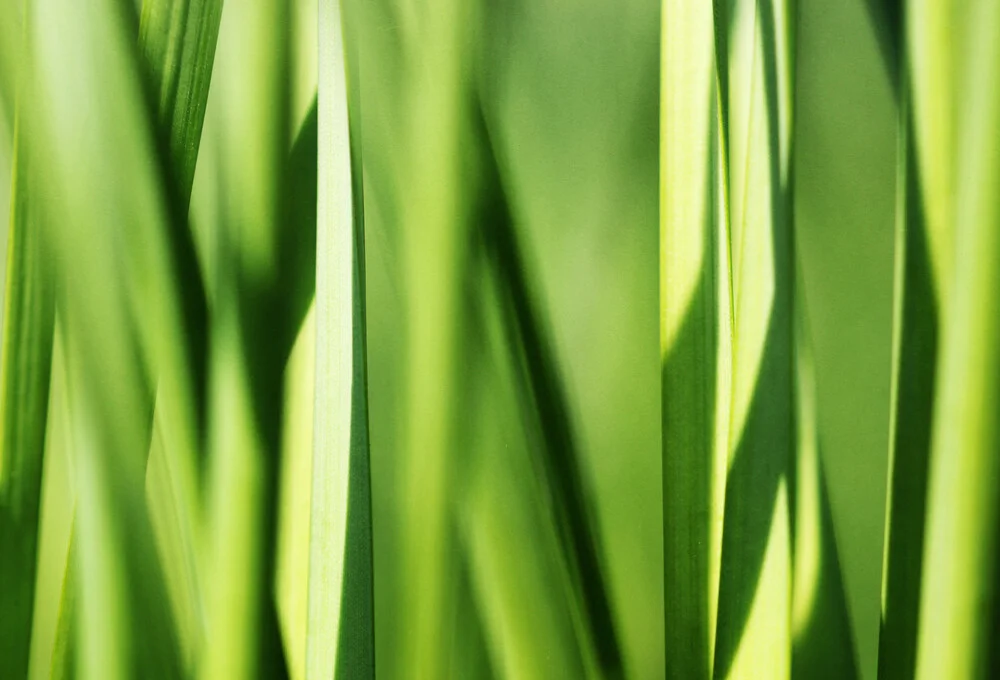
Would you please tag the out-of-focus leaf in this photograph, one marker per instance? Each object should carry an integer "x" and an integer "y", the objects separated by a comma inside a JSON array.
[
  {"x": 28, "y": 325},
  {"x": 52, "y": 632},
  {"x": 822, "y": 645},
  {"x": 110, "y": 248},
  {"x": 529, "y": 617},
  {"x": 958, "y": 599},
  {"x": 340, "y": 638},
  {"x": 432, "y": 237},
  {"x": 250, "y": 341}
]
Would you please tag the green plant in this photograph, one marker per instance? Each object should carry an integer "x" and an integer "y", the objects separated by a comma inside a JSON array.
[{"x": 330, "y": 329}]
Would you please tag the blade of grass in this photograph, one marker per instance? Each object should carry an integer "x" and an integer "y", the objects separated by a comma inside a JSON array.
[
  {"x": 530, "y": 620},
  {"x": 177, "y": 47},
  {"x": 958, "y": 620},
  {"x": 92, "y": 91},
  {"x": 432, "y": 235},
  {"x": 254, "y": 338},
  {"x": 340, "y": 634},
  {"x": 55, "y": 596},
  {"x": 29, "y": 318},
  {"x": 177, "y": 39},
  {"x": 557, "y": 457},
  {"x": 296, "y": 497},
  {"x": 695, "y": 334},
  {"x": 922, "y": 272},
  {"x": 753, "y": 631}
]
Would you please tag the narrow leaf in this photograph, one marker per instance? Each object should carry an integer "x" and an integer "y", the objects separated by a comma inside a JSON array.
[
  {"x": 29, "y": 318},
  {"x": 924, "y": 253},
  {"x": 695, "y": 334},
  {"x": 340, "y": 634},
  {"x": 753, "y": 637},
  {"x": 958, "y": 599}
]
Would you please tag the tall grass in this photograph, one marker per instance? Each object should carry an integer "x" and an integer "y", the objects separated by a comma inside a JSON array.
[{"x": 329, "y": 342}]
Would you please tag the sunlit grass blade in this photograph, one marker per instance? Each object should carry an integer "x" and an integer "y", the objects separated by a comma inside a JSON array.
[
  {"x": 959, "y": 591},
  {"x": 823, "y": 644},
  {"x": 292, "y": 586},
  {"x": 28, "y": 325},
  {"x": 922, "y": 274},
  {"x": 55, "y": 596},
  {"x": 695, "y": 334},
  {"x": 753, "y": 637},
  {"x": 340, "y": 634}
]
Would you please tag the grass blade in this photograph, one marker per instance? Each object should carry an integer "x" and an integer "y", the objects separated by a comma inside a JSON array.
[
  {"x": 530, "y": 620},
  {"x": 753, "y": 636},
  {"x": 557, "y": 457},
  {"x": 250, "y": 342},
  {"x": 178, "y": 39},
  {"x": 695, "y": 334},
  {"x": 433, "y": 233},
  {"x": 958, "y": 605},
  {"x": 923, "y": 266},
  {"x": 340, "y": 634},
  {"x": 52, "y": 632},
  {"x": 29, "y": 319}
]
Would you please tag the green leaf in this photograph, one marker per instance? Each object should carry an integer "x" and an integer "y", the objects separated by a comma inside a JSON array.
[
  {"x": 110, "y": 248},
  {"x": 958, "y": 598},
  {"x": 527, "y": 608},
  {"x": 823, "y": 644},
  {"x": 250, "y": 341},
  {"x": 432, "y": 236},
  {"x": 29, "y": 318},
  {"x": 177, "y": 39},
  {"x": 340, "y": 639},
  {"x": 924, "y": 254},
  {"x": 695, "y": 334},
  {"x": 52, "y": 631},
  {"x": 556, "y": 457},
  {"x": 753, "y": 637}
]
